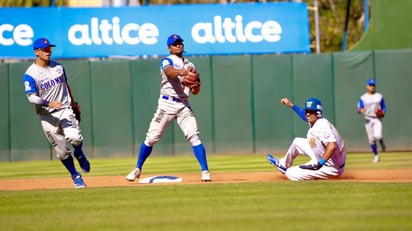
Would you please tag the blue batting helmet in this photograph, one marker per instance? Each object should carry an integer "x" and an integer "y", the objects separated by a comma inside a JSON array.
[{"x": 313, "y": 104}]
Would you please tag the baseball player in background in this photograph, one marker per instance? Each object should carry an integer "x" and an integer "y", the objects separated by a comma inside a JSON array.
[
  {"x": 45, "y": 85},
  {"x": 173, "y": 104},
  {"x": 372, "y": 105},
  {"x": 323, "y": 145}
]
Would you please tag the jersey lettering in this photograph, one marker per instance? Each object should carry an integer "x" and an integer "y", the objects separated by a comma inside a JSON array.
[{"x": 51, "y": 83}]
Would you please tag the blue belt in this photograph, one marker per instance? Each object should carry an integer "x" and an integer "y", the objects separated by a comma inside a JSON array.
[{"x": 171, "y": 98}]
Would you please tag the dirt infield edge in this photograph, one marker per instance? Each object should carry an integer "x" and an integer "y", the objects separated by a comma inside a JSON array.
[{"x": 387, "y": 175}]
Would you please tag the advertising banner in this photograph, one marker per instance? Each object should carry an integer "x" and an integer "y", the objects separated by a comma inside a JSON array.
[{"x": 207, "y": 29}]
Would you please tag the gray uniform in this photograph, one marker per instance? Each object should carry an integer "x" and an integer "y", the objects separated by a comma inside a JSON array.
[
  {"x": 59, "y": 126},
  {"x": 373, "y": 124},
  {"x": 173, "y": 104}
]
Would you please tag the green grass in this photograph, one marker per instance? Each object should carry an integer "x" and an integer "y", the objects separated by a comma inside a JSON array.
[
  {"x": 186, "y": 164},
  {"x": 311, "y": 205}
]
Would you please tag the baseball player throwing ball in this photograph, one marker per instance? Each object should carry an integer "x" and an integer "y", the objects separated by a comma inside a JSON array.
[
  {"x": 372, "y": 105},
  {"x": 179, "y": 78},
  {"x": 323, "y": 145},
  {"x": 45, "y": 84}
]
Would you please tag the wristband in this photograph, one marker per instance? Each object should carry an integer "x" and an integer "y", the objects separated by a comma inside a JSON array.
[{"x": 322, "y": 161}]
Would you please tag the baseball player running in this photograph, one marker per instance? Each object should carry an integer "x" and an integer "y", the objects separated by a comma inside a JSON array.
[
  {"x": 372, "y": 105},
  {"x": 173, "y": 104},
  {"x": 45, "y": 84},
  {"x": 323, "y": 145}
]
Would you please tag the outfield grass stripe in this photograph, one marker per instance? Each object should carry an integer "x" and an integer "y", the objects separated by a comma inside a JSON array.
[{"x": 252, "y": 206}]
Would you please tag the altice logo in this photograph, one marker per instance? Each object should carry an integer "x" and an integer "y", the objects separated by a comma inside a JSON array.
[
  {"x": 112, "y": 32},
  {"x": 104, "y": 32},
  {"x": 227, "y": 30},
  {"x": 221, "y": 30}
]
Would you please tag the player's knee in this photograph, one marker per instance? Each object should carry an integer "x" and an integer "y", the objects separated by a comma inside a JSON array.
[
  {"x": 151, "y": 141},
  {"x": 377, "y": 138},
  {"x": 298, "y": 139},
  {"x": 62, "y": 154},
  {"x": 194, "y": 140},
  {"x": 74, "y": 139}
]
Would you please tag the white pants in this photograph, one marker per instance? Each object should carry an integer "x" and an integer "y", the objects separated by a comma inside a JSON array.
[
  {"x": 373, "y": 127},
  {"x": 61, "y": 128},
  {"x": 300, "y": 146},
  {"x": 168, "y": 111}
]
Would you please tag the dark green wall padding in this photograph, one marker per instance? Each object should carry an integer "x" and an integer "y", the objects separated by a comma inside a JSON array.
[{"x": 238, "y": 109}]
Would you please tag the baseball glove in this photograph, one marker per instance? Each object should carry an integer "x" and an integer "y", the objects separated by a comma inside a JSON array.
[
  {"x": 380, "y": 113},
  {"x": 76, "y": 111},
  {"x": 192, "y": 78}
]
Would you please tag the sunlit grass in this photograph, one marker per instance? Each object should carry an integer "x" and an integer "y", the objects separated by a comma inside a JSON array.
[{"x": 187, "y": 164}]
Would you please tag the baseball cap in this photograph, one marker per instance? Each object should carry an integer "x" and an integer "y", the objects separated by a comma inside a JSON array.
[
  {"x": 371, "y": 82},
  {"x": 42, "y": 43},
  {"x": 173, "y": 38}
]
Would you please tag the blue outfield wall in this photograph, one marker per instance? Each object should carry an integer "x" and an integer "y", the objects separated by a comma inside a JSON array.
[{"x": 238, "y": 109}]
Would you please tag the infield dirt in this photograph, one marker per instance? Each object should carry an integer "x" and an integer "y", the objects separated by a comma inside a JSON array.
[{"x": 387, "y": 175}]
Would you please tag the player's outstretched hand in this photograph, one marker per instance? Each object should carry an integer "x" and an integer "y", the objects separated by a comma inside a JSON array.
[
  {"x": 311, "y": 166},
  {"x": 286, "y": 102},
  {"x": 55, "y": 104}
]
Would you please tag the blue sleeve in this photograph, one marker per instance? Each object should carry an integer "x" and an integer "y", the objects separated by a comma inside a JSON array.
[
  {"x": 165, "y": 62},
  {"x": 383, "y": 106},
  {"x": 360, "y": 104},
  {"x": 29, "y": 84},
  {"x": 300, "y": 112}
]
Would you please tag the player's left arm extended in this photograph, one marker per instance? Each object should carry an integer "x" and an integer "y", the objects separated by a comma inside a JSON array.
[
  {"x": 383, "y": 105},
  {"x": 300, "y": 112},
  {"x": 329, "y": 150}
]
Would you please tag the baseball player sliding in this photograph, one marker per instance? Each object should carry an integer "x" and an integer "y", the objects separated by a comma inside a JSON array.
[
  {"x": 46, "y": 87},
  {"x": 323, "y": 145},
  {"x": 372, "y": 105},
  {"x": 179, "y": 78}
]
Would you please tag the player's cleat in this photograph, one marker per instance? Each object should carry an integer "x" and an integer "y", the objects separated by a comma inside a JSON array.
[
  {"x": 275, "y": 162},
  {"x": 78, "y": 181},
  {"x": 376, "y": 159},
  {"x": 134, "y": 174},
  {"x": 206, "y": 176},
  {"x": 83, "y": 162}
]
